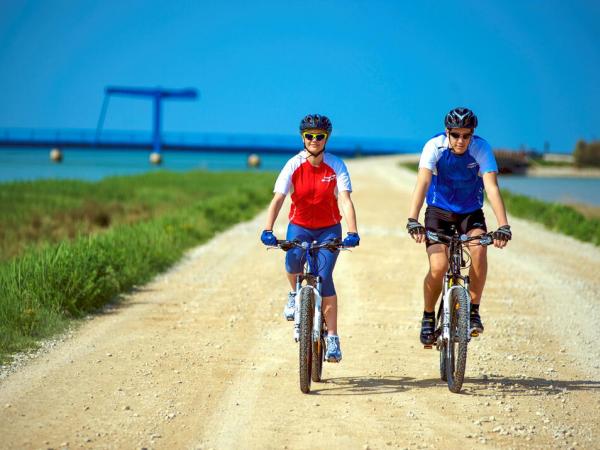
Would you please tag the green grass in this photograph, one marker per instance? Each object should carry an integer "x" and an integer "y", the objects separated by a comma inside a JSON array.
[
  {"x": 48, "y": 284},
  {"x": 554, "y": 216},
  {"x": 34, "y": 213},
  {"x": 544, "y": 163},
  {"x": 414, "y": 166}
]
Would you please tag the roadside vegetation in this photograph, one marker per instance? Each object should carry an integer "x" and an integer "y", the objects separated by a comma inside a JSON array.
[
  {"x": 554, "y": 216},
  {"x": 587, "y": 154},
  {"x": 70, "y": 247}
]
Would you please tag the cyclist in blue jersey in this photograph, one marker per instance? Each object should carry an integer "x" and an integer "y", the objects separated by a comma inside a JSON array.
[{"x": 455, "y": 168}]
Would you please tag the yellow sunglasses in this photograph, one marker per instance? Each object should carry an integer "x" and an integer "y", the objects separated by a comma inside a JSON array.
[{"x": 310, "y": 136}]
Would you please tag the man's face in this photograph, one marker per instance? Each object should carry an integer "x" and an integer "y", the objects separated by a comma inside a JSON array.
[{"x": 459, "y": 138}]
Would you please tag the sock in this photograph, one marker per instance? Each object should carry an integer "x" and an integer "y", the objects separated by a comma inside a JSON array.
[
  {"x": 474, "y": 308},
  {"x": 429, "y": 315}
]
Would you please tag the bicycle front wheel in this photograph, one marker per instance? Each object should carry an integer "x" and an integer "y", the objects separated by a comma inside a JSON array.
[
  {"x": 307, "y": 300},
  {"x": 456, "y": 347}
]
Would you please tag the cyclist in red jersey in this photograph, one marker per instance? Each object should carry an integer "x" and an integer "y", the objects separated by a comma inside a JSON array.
[{"x": 315, "y": 180}]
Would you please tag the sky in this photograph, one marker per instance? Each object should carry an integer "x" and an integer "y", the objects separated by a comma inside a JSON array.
[{"x": 379, "y": 69}]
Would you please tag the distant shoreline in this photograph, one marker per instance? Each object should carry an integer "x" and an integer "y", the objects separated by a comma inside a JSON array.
[{"x": 563, "y": 172}]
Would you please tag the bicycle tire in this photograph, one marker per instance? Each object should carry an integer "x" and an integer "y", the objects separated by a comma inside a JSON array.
[
  {"x": 456, "y": 355},
  {"x": 442, "y": 345},
  {"x": 443, "y": 356},
  {"x": 305, "y": 337},
  {"x": 317, "y": 360}
]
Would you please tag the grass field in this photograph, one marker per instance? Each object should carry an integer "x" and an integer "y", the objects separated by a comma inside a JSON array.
[{"x": 70, "y": 247}]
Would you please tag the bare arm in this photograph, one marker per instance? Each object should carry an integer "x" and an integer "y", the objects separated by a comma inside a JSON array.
[
  {"x": 418, "y": 197},
  {"x": 490, "y": 182},
  {"x": 273, "y": 210},
  {"x": 348, "y": 210}
]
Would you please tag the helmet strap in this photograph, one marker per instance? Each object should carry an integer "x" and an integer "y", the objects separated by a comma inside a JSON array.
[{"x": 314, "y": 154}]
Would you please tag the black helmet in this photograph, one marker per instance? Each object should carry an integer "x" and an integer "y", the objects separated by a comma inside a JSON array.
[
  {"x": 461, "y": 118},
  {"x": 316, "y": 121}
]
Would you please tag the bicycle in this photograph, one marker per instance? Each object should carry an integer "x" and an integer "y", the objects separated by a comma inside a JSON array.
[
  {"x": 453, "y": 334},
  {"x": 310, "y": 328}
]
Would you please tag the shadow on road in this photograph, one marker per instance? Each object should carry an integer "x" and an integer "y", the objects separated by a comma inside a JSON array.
[
  {"x": 526, "y": 386},
  {"x": 491, "y": 386},
  {"x": 363, "y": 385}
]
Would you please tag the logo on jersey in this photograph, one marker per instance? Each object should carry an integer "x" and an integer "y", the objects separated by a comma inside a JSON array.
[
  {"x": 328, "y": 179},
  {"x": 472, "y": 165}
]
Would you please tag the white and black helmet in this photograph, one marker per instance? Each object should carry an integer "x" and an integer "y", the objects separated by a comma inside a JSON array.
[{"x": 461, "y": 118}]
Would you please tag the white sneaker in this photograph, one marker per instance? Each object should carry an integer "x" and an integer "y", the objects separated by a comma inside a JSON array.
[
  {"x": 290, "y": 307},
  {"x": 334, "y": 352}
]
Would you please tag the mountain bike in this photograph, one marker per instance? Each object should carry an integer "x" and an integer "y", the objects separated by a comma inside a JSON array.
[
  {"x": 453, "y": 334},
  {"x": 309, "y": 323}
]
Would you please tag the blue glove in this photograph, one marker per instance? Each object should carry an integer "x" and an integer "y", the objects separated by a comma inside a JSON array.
[
  {"x": 352, "y": 240},
  {"x": 268, "y": 238}
]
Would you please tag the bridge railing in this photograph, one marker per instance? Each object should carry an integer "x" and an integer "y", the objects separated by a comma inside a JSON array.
[{"x": 89, "y": 138}]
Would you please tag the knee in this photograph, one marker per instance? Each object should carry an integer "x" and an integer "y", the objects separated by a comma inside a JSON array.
[
  {"x": 479, "y": 256},
  {"x": 328, "y": 289},
  {"x": 436, "y": 272},
  {"x": 293, "y": 262}
]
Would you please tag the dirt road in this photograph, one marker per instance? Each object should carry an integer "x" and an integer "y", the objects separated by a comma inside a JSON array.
[{"x": 201, "y": 357}]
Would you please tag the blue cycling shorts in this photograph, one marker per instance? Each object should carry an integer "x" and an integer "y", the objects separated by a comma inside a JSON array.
[{"x": 325, "y": 259}]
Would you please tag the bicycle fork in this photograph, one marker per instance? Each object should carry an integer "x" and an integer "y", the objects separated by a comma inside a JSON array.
[
  {"x": 317, "y": 317},
  {"x": 447, "y": 307}
]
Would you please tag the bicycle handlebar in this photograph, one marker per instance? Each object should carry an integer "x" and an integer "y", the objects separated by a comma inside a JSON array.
[
  {"x": 484, "y": 239},
  {"x": 331, "y": 245}
]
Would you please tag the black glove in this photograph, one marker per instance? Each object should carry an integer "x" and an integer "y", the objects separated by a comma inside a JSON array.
[
  {"x": 503, "y": 233},
  {"x": 414, "y": 227}
]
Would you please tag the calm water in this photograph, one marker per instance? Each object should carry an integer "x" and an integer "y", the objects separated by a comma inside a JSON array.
[
  {"x": 562, "y": 190},
  {"x": 26, "y": 164},
  {"x": 30, "y": 164}
]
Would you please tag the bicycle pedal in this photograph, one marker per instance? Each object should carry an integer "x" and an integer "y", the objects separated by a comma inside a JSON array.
[
  {"x": 428, "y": 347},
  {"x": 474, "y": 333}
]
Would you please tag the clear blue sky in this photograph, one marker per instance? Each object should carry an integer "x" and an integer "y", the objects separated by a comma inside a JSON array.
[{"x": 383, "y": 69}]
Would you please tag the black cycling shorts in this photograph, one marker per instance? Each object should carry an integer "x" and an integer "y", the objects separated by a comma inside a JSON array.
[{"x": 440, "y": 221}]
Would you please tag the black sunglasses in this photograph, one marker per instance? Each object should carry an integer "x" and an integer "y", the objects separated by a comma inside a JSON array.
[
  {"x": 465, "y": 136},
  {"x": 311, "y": 136}
]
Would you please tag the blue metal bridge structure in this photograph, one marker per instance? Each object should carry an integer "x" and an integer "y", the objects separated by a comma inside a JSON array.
[
  {"x": 156, "y": 140},
  {"x": 194, "y": 142}
]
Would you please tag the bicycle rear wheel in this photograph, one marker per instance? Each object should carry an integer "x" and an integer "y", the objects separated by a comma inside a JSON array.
[
  {"x": 442, "y": 347},
  {"x": 456, "y": 347},
  {"x": 305, "y": 337},
  {"x": 318, "y": 356}
]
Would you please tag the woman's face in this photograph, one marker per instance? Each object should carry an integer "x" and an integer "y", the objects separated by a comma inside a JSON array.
[{"x": 311, "y": 139}]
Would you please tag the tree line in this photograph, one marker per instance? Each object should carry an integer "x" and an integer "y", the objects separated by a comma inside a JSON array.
[{"x": 587, "y": 154}]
